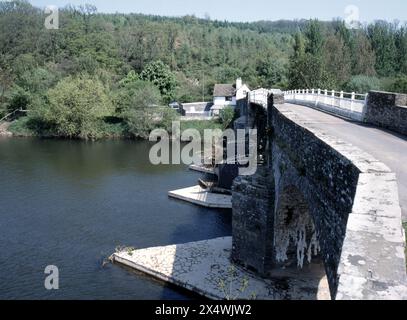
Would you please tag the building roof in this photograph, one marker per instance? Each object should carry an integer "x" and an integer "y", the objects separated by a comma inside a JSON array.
[{"x": 224, "y": 90}]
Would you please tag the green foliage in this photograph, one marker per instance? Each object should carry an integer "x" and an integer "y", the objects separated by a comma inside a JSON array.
[
  {"x": 363, "y": 84},
  {"x": 399, "y": 85},
  {"x": 201, "y": 125},
  {"x": 21, "y": 128},
  {"x": 19, "y": 99},
  {"x": 315, "y": 40},
  {"x": 182, "y": 58},
  {"x": 141, "y": 121},
  {"x": 382, "y": 38},
  {"x": 161, "y": 76},
  {"x": 132, "y": 77},
  {"x": 138, "y": 103},
  {"x": 75, "y": 108},
  {"x": 227, "y": 116},
  {"x": 136, "y": 95}
]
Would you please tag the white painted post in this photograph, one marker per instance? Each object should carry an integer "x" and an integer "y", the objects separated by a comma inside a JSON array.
[
  {"x": 317, "y": 99},
  {"x": 326, "y": 96},
  {"x": 352, "y": 100},
  {"x": 341, "y": 100}
]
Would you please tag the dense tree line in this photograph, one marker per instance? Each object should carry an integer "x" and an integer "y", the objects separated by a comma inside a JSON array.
[
  {"x": 335, "y": 57},
  {"x": 125, "y": 64}
]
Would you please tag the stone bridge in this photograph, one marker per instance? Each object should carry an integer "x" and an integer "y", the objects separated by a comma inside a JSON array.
[{"x": 319, "y": 193}]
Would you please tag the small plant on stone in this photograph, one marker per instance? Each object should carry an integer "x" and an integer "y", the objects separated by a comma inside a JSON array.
[{"x": 227, "y": 286}]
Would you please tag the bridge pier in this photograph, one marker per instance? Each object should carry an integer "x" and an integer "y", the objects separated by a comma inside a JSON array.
[{"x": 253, "y": 225}]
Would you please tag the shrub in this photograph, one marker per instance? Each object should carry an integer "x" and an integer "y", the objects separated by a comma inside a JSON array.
[
  {"x": 136, "y": 95},
  {"x": 399, "y": 85},
  {"x": 75, "y": 108},
  {"x": 363, "y": 84},
  {"x": 227, "y": 116},
  {"x": 141, "y": 121},
  {"x": 161, "y": 76}
]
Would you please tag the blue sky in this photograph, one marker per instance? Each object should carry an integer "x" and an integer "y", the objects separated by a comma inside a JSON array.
[{"x": 251, "y": 10}]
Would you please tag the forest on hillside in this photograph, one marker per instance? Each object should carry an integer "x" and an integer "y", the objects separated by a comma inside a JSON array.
[{"x": 98, "y": 71}]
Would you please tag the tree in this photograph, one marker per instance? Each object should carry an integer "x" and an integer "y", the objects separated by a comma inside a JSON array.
[
  {"x": 307, "y": 70},
  {"x": 138, "y": 104},
  {"x": 399, "y": 85},
  {"x": 161, "y": 76},
  {"x": 363, "y": 84},
  {"x": 337, "y": 60},
  {"x": 315, "y": 41},
  {"x": 135, "y": 96},
  {"x": 381, "y": 35},
  {"x": 132, "y": 77},
  {"x": 272, "y": 72},
  {"x": 363, "y": 56},
  {"x": 75, "y": 108},
  {"x": 401, "y": 44}
]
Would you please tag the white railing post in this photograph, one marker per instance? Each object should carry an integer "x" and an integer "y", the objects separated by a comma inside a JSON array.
[
  {"x": 341, "y": 99},
  {"x": 352, "y": 101},
  {"x": 326, "y": 96},
  {"x": 318, "y": 95}
]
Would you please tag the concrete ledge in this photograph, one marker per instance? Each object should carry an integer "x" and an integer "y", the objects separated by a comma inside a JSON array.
[
  {"x": 201, "y": 197},
  {"x": 202, "y": 169},
  {"x": 202, "y": 266}
]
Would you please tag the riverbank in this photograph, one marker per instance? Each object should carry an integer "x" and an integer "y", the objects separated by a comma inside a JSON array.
[
  {"x": 106, "y": 130},
  {"x": 4, "y": 129}
]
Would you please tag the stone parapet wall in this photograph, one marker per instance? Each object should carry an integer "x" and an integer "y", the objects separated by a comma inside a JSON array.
[
  {"x": 387, "y": 110},
  {"x": 350, "y": 198},
  {"x": 358, "y": 217}
]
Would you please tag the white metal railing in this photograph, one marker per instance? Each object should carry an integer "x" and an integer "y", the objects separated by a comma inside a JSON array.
[{"x": 351, "y": 105}]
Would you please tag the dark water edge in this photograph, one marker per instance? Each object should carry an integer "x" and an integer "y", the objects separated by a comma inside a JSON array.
[{"x": 70, "y": 203}]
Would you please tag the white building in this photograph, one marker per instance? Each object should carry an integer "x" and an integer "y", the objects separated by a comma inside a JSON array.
[{"x": 225, "y": 95}]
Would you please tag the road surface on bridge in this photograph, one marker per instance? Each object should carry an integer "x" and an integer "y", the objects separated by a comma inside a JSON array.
[{"x": 387, "y": 147}]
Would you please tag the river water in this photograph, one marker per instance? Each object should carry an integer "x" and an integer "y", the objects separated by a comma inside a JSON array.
[{"x": 71, "y": 203}]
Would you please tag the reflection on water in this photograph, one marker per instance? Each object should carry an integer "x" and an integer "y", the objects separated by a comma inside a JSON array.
[{"x": 70, "y": 203}]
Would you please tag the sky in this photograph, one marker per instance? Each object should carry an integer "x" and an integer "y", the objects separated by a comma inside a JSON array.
[{"x": 252, "y": 10}]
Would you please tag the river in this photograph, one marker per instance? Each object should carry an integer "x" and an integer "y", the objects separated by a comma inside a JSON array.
[{"x": 71, "y": 203}]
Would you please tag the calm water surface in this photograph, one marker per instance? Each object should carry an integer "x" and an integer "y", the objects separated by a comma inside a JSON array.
[{"x": 70, "y": 203}]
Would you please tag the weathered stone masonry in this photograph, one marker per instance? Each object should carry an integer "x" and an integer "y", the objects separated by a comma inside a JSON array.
[
  {"x": 387, "y": 110},
  {"x": 316, "y": 195}
]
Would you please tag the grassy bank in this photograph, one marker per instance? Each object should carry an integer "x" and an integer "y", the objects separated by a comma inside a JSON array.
[{"x": 22, "y": 128}]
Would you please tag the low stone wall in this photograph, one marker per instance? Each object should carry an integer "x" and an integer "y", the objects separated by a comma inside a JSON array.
[{"x": 387, "y": 110}]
